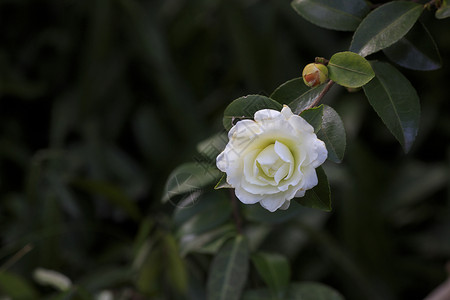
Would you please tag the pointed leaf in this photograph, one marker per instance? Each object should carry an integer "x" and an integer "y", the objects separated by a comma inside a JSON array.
[
  {"x": 312, "y": 291},
  {"x": 416, "y": 50},
  {"x": 189, "y": 178},
  {"x": 396, "y": 102},
  {"x": 274, "y": 270},
  {"x": 443, "y": 11},
  {"x": 384, "y": 26},
  {"x": 332, "y": 133},
  {"x": 349, "y": 69},
  {"x": 290, "y": 90},
  {"x": 319, "y": 196},
  {"x": 245, "y": 108},
  {"x": 314, "y": 117},
  {"x": 228, "y": 271},
  {"x": 16, "y": 287},
  {"x": 332, "y": 14}
]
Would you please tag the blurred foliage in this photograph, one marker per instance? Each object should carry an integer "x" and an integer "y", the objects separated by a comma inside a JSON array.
[{"x": 101, "y": 100}]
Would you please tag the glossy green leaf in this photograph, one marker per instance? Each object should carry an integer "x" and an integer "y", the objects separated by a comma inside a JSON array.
[
  {"x": 245, "y": 108},
  {"x": 349, "y": 69},
  {"x": 211, "y": 147},
  {"x": 396, "y": 102},
  {"x": 298, "y": 96},
  {"x": 416, "y": 50},
  {"x": 319, "y": 196},
  {"x": 443, "y": 11},
  {"x": 314, "y": 117},
  {"x": 290, "y": 90},
  {"x": 274, "y": 270},
  {"x": 190, "y": 178},
  {"x": 384, "y": 26},
  {"x": 332, "y": 14},
  {"x": 312, "y": 291},
  {"x": 332, "y": 133},
  {"x": 228, "y": 272},
  {"x": 16, "y": 287}
]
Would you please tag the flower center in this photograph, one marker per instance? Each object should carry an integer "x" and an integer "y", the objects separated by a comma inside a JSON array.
[{"x": 275, "y": 162}]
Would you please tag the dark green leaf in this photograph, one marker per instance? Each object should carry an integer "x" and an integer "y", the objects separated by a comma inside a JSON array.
[
  {"x": 384, "y": 26},
  {"x": 312, "y": 291},
  {"x": 174, "y": 265},
  {"x": 208, "y": 242},
  {"x": 290, "y": 90},
  {"x": 332, "y": 14},
  {"x": 349, "y": 69},
  {"x": 212, "y": 146},
  {"x": 319, "y": 196},
  {"x": 314, "y": 117},
  {"x": 274, "y": 270},
  {"x": 306, "y": 99},
  {"x": 416, "y": 50},
  {"x": 245, "y": 108},
  {"x": 190, "y": 178},
  {"x": 229, "y": 270},
  {"x": 257, "y": 294},
  {"x": 333, "y": 134},
  {"x": 443, "y": 11},
  {"x": 396, "y": 102}
]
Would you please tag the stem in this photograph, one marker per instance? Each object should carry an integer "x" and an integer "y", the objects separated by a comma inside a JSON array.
[
  {"x": 236, "y": 214},
  {"x": 16, "y": 257},
  {"x": 321, "y": 95}
]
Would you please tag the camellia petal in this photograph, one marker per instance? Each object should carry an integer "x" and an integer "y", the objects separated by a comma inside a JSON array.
[{"x": 272, "y": 159}]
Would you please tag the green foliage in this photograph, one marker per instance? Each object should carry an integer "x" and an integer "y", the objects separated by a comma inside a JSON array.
[
  {"x": 337, "y": 15},
  {"x": 245, "y": 107},
  {"x": 275, "y": 271},
  {"x": 384, "y": 26},
  {"x": 229, "y": 269},
  {"x": 332, "y": 132},
  {"x": 443, "y": 11},
  {"x": 314, "y": 116},
  {"x": 349, "y": 69},
  {"x": 319, "y": 196},
  {"x": 396, "y": 102},
  {"x": 312, "y": 291}
]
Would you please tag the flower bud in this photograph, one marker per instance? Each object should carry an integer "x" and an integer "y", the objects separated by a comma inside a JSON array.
[{"x": 315, "y": 74}]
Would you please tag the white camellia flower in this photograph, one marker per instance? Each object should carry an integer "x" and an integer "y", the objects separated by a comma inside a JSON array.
[{"x": 272, "y": 159}]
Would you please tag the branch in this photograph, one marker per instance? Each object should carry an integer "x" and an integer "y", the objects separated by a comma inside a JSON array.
[{"x": 321, "y": 95}]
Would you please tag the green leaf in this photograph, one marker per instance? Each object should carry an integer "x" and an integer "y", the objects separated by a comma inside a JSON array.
[
  {"x": 208, "y": 242},
  {"x": 319, "y": 196},
  {"x": 384, "y": 26},
  {"x": 443, "y": 11},
  {"x": 257, "y": 294},
  {"x": 174, "y": 266},
  {"x": 16, "y": 287},
  {"x": 349, "y": 69},
  {"x": 396, "y": 102},
  {"x": 332, "y": 133},
  {"x": 212, "y": 210},
  {"x": 222, "y": 184},
  {"x": 228, "y": 271},
  {"x": 332, "y": 14},
  {"x": 312, "y": 291},
  {"x": 417, "y": 50},
  {"x": 190, "y": 178},
  {"x": 212, "y": 146},
  {"x": 245, "y": 108},
  {"x": 290, "y": 90},
  {"x": 314, "y": 117},
  {"x": 274, "y": 270}
]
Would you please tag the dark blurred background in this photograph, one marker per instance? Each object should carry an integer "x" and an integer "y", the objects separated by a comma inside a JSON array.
[{"x": 101, "y": 99}]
